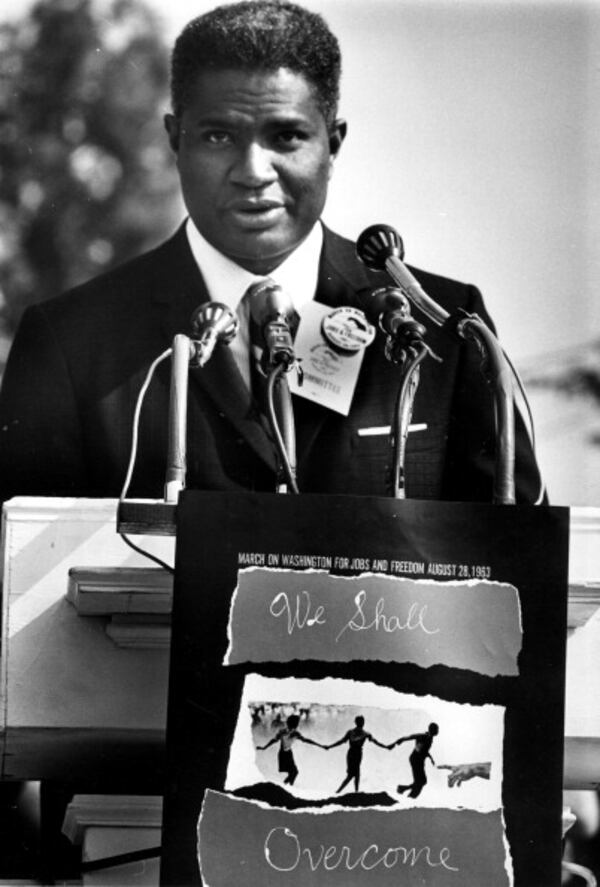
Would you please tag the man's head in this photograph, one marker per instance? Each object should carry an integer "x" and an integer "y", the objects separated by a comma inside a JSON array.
[
  {"x": 359, "y": 721},
  {"x": 255, "y": 89},
  {"x": 433, "y": 729},
  {"x": 262, "y": 35}
]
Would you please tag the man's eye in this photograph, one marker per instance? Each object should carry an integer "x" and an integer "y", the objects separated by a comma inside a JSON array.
[
  {"x": 290, "y": 137},
  {"x": 217, "y": 137}
]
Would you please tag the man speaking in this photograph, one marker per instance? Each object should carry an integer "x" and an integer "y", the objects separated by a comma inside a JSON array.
[{"x": 255, "y": 133}]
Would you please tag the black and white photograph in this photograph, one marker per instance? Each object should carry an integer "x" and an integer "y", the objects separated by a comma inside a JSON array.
[
  {"x": 299, "y": 441},
  {"x": 318, "y": 740}
]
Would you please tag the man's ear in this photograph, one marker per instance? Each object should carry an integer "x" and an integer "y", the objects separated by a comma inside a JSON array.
[
  {"x": 172, "y": 125},
  {"x": 337, "y": 135}
]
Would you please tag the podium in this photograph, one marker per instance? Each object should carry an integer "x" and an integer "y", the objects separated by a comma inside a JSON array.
[
  {"x": 77, "y": 704},
  {"x": 441, "y": 625},
  {"x": 74, "y": 703}
]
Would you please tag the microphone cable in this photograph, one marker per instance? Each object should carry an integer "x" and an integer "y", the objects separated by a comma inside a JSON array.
[
  {"x": 133, "y": 458},
  {"x": 529, "y": 424}
]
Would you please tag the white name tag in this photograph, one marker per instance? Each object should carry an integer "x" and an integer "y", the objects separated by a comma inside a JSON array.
[{"x": 330, "y": 372}]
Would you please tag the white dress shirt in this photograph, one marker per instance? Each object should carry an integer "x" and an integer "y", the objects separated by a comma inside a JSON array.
[{"x": 227, "y": 282}]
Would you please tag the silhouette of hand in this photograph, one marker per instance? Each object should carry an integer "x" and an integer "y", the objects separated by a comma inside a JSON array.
[{"x": 460, "y": 773}]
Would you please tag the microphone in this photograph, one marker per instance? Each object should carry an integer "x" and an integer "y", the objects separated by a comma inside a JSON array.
[
  {"x": 272, "y": 310},
  {"x": 211, "y": 322},
  {"x": 380, "y": 248},
  {"x": 386, "y": 306}
]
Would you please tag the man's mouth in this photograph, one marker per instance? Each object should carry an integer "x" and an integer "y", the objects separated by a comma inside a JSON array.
[{"x": 256, "y": 213}]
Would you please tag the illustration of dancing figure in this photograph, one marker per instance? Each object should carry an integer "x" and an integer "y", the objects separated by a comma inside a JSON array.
[
  {"x": 417, "y": 759},
  {"x": 286, "y": 737},
  {"x": 356, "y": 738}
]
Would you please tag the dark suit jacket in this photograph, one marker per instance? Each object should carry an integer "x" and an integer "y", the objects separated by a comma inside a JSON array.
[{"x": 78, "y": 362}]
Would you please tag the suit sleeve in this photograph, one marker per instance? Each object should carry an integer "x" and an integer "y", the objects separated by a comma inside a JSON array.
[
  {"x": 41, "y": 450},
  {"x": 470, "y": 466}
]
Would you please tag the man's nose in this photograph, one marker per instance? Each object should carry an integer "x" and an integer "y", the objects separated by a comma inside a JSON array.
[{"x": 254, "y": 167}]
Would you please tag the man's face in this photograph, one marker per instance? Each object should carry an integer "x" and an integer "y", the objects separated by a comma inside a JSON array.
[{"x": 254, "y": 157}]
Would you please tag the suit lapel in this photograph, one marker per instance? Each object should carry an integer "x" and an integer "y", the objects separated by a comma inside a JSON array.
[
  {"x": 341, "y": 275},
  {"x": 220, "y": 379}
]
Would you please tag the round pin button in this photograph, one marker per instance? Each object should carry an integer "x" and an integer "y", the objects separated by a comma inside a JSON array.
[{"x": 347, "y": 329}]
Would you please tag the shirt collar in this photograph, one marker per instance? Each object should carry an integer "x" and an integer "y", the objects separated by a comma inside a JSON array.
[{"x": 227, "y": 282}]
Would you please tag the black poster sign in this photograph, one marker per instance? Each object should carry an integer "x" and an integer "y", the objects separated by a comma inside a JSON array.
[{"x": 365, "y": 691}]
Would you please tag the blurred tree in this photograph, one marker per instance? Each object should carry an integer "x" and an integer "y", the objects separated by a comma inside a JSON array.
[
  {"x": 86, "y": 178},
  {"x": 574, "y": 372}
]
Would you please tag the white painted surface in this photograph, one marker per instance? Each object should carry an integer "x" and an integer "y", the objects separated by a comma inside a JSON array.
[{"x": 60, "y": 670}]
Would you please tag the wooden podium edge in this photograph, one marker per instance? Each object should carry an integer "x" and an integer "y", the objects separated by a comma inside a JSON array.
[{"x": 140, "y": 517}]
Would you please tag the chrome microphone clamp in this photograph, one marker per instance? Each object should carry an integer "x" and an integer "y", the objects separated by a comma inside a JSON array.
[{"x": 279, "y": 346}]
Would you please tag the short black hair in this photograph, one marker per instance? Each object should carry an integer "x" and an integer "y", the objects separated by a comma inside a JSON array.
[{"x": 259, "y": 35}]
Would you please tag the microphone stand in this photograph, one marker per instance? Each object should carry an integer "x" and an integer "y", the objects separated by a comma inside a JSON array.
[
  {"x": 409, "y": 383},
  {"x": 183, "y": 351},
  {"x": 213, "y": 322},
  {"x": 405, "y": 346},
  {"x": 498, "y": 375},
  {"x": 281, "y": 420},
  {"x": 279, "y": 358}
]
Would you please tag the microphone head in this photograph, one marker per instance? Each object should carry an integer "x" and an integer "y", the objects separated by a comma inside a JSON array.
[
  {"x": 381, "y": 300},
  {"x": 214, "y": 316},
  {"x": 268, "y": 301},
  {"x": 376, "y": 244}
]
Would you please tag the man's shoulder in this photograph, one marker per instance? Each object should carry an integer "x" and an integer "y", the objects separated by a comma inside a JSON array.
[{"x": 123, "y": 289}]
